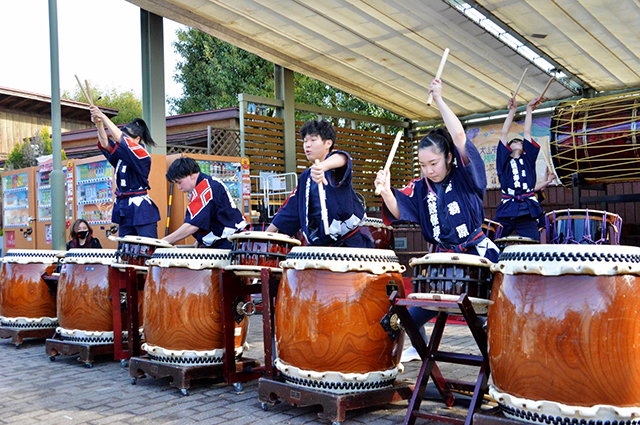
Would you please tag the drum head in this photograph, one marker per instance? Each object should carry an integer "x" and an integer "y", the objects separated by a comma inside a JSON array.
[
  {"x": 27, "y": 256},
  {"x": 376, "y": 261},
  {"x": 280, "y": 237},
  {"x": 516, "y": 240},
  {"x": 557, "y": 260},
  {"x": 141, "y": 240},
  {"x": 192, "y": 258},
  {"x": 90, "y": 256},
  {"x": 451, "y": 258},
  {"x": 374, "y": 222}
]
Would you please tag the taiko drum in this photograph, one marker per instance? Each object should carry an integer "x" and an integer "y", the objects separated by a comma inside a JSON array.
[
  {"x": 253, "y": 251},
  {"x": 25, "y": 299},
  {"x": 182, "y": 315},
  {"x": 380, "y": 233},
  {"x": 564, "y": 333},
  {"x": 328, "y": 311},
  {"x": 136, "y": 250}
]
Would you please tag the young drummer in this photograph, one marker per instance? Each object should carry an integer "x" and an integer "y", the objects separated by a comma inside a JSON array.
[
  {"x": 519, "y": 209},
  {"x": 211, "y": 216},
  {"x": 447, "y": 201},
  {"x": 302, "y": 210}
]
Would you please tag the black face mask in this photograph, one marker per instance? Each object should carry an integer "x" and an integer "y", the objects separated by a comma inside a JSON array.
[{"x": 83, "y": 234}]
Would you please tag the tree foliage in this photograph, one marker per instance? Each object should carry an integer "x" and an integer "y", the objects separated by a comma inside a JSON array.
[
  {"x": 25, "y": 154},
  {"x": 127, "y": 103},
  {"x": 214, "y": 72}
]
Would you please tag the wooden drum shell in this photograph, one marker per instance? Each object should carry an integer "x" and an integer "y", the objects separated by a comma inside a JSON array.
[
  {"x": 328, "y": 321},
  {"x": 183, "y": 310},
  {"x": 23, "y": 293}
]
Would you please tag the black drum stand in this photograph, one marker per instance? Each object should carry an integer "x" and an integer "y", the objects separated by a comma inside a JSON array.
[
  {"x": 272, "y": 387},
  {"x": 430, "y": 354}
]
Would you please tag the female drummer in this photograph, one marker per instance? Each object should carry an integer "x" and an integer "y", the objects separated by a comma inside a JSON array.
[
  {"x": 302, "y": 210},
  {"x": 519, "y": 209},
  {"x": 133, "y": 211},
  {"x": 82, "y": 236},
  {"x": 447, "y": 201}
]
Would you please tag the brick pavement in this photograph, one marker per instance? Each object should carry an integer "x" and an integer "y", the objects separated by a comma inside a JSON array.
[{"x": 34, "y": 390}]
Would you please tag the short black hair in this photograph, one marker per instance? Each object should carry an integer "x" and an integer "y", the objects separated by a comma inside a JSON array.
[
  {"x": 322, "y": 128},
  {"x": 181, "y": 168},
  {"x": 515, "y": 139}
]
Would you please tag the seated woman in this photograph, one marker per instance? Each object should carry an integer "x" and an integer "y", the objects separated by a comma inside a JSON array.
[{"x": 82, "y": 236}]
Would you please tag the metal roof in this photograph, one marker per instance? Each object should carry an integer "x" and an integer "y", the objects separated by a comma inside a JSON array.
[{"x": 388, "y": 51}]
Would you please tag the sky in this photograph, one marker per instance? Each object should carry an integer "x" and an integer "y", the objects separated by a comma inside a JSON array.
[{"x": 99, "y": 40}]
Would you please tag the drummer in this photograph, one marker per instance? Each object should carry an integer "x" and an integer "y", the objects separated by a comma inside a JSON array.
[
  {"x": 211, "y": 216},
  {"x": 447, "y": 201},
  {"x": 302, "y": 210},
  {"x": 519, "y": 209}
]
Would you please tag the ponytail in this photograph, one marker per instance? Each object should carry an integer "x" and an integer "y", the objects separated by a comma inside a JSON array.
[{"x": 138, "y": 128}]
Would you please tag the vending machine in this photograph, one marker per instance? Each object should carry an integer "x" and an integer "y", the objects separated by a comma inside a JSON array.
[
  {"x": 232, "y": 171},
  {"x": 94, "y": 191},
  {"x": 43, "y": 199},
  {"x": 18, "y": 199}
]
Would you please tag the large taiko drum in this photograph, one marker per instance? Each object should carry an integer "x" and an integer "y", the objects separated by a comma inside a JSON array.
[
  {"x": 491, "y": 229},
  {"x": 253, "y": 251},
  {"x": 182, "y": 307},
  {"x": 564, "y": 334},
  {"x": 85, "y": 312},
  {"x": 25, "y": 299},
  {"x": 446, "y": 276},
  {"x": 380, "y": 233},
  {"x": 596, "y": 138},
  {"x": 136, "y": 250},
  {"x": 327, "y": 319},
  {"x": 592, "y": 227}
]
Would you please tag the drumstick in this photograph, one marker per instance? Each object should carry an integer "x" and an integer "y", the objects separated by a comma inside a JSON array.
[
  {"x": 520, "y": 83},
  {"x": 546, "y": 87},
  {"x": 442, "y": 62},
  {"x": 84, "y": 91},
  {"x": 89, "y": 92},
  {"x": 390, "y": 158},
  {"x": 323, "y": 205}
]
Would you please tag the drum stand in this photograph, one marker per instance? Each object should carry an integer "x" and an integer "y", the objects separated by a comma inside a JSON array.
[
  {"x": 231, "y": 370},
  {"x": 121, "y": 277},
  {"x": 17, "y": 335},
  {"x": 431, "y": 353},
  {"x": 272, "y": 387}
]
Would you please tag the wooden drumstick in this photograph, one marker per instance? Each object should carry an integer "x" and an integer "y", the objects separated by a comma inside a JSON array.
[
  {"x": 520, "y": 83},
  {"x": 323, "y": 205},
  {"x": 84, "y": 91},
  {"x": 89, "y": 92},
  {"x": 396, "y": 142},
  {"x": 442, "y": 62},
  {"x": 546, "y": 87}
]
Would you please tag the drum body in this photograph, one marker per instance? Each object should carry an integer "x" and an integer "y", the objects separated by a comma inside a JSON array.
[
  {"x": 25, "y": 299},
  {"x": 182, "y": 314},
  {"x": 380, "y": 233},
  {"x": 84, "y": 305},
  {"x": 596, "y": 139},
  {"x": 136, "y": 250},
  {"x": 327, "y": 318},
  {"x": 253, "y": 251},
  {"x": 492, "y": 229},
  {"x": 583, "y": 227},
  {"x": 564, "y": 333},
  {"x": 502, "y": 243},
  {"x": 446, "y": 276}
]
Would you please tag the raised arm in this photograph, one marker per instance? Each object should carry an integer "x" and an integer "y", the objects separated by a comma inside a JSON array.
[
  {"x": 102, "y": 135},
  {"x": 383, "y": 180},
  {"x": 504, "y": 134},
  {"x": 334, "y": 161},
  {"x": 98, "y": 115},
  {"x": 531, "y": 106},
  {"x": 454, "y": 126}
]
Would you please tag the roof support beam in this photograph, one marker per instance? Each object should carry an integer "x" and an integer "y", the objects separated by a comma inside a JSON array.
[{"x": 284, "y": 89}]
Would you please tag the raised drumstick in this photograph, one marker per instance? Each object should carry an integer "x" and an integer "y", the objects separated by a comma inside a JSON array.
[
  {"x": 89, "y": 92},
  {"x": 442, "y": 62},
  {"x": 520, "y": 83},
  {"x": 84, "y": 91},
  {"x": 323, "y": 205},
  {"x": 546, "y": 87},
  {"x": 396, "y": 142}
]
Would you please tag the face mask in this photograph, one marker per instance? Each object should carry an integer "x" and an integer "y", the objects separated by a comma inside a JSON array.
[{"x": 83, "y": 234}]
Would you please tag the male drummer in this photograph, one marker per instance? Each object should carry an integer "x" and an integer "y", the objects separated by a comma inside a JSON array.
[
  {"x": 211, "y": 216},
  {"x": 519, "y": 209},
  {"x": 302, "y": 210}
]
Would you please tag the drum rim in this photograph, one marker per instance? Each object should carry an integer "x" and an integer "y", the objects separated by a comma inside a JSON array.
[
  {"x": 375, "y": 220},
  {"x": 369, "y": 260},
  {"x": 141, "y": 240},
  {"x": 50, "y": 255},
  {"x": 220, "y": 258},
  {"x": 334, "y": 249},
  {"x": 83, "y": 256},
  {"x": 258, "y": 234},
  {"x": 451, "y": 258},
  {"x": 517, "y": 238}
]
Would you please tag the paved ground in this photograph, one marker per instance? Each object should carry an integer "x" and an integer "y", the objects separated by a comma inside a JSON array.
[{"x": 34, "y": 390}]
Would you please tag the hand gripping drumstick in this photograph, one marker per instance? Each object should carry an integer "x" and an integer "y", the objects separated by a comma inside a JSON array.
[
  {"x": 442, "y": 62},
  {"x": 520, "y": 83},
  {"x": 323, "y": 205},
  {"x": 390, "y": 159}
]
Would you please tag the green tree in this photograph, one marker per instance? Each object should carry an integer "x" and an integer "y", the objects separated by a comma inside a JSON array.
[
  {"x": 24, "y": 154},
  {"x": 127, "y": 103},
  {"x": 214, "y": 72}
]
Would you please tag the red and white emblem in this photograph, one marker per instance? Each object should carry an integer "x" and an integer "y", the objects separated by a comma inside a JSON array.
[
  {"x": 137, "y": 150},
  {"x": 200, "y": 197}
]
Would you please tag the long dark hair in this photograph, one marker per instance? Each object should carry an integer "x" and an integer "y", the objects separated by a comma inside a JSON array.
[
  {"x": 440, "y": 140},
  {"x": 73, "y": 233},
  {"x": 138, "y": 128}
]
